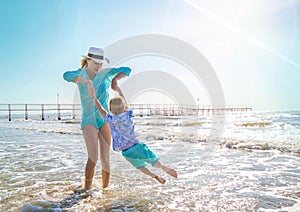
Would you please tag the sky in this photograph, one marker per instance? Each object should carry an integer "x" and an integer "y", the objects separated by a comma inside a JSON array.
[{"x": 253, "y": 47}]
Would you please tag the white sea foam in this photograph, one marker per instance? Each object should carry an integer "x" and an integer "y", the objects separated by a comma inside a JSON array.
[{"x": 247, "y": 130}]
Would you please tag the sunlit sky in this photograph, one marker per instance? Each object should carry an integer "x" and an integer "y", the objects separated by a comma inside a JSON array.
[{"x": 253, "y": 46}]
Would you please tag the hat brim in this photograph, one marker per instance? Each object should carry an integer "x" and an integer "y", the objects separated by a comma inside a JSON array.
[{"x": 105, "y": 60}]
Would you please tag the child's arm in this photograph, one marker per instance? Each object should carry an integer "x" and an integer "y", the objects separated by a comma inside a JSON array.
[{"x": 100, "y": 108}]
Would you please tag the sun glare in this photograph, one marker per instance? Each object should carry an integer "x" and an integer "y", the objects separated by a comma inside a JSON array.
[{"x": 248, "y": 20}]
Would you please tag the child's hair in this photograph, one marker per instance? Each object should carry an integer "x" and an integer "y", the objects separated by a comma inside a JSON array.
[{"x": 117, "y": 105}]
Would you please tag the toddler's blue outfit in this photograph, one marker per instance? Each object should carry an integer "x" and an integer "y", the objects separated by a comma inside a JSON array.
[
  {"x": 101, "y": 82},
  {"x": 125, "y": 140}
]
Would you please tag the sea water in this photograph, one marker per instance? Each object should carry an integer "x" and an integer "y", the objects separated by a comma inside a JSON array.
[{"x": 253, "y": 166}]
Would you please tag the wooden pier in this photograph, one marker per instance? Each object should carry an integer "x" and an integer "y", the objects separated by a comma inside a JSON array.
[
  {"x": 9, "y": 110},
  {"x": 38, "y": 109},
  {"x": 181, "y": 109}
]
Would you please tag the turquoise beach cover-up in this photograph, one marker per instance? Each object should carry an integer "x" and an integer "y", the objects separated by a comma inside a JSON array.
[{"x": 101, "y": 82}]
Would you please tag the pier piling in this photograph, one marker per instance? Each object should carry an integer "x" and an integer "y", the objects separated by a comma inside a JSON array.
[
  {"x": 43, "y": 118},
  {"x": 9, "y": 112},
  {"x": 26, "y": 112}
]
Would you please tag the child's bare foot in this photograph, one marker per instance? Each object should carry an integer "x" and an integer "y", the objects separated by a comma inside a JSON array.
[
  {"x": 172, "y": 172},
  {"x": 160, "y": 179}
]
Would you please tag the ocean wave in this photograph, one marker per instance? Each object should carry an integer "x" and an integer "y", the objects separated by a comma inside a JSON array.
[
  {"x": 259, "y": 145},
  {"x": 191, "y": 124},
  {"x": 41, "y": 130},
  {"x": 71, "y": 122},
  {"x": 255, "y": 124},
  {"x": 170, "y": 124},
  {"x": 195, "y": 138},
  {"x": 254, "y": 132}
]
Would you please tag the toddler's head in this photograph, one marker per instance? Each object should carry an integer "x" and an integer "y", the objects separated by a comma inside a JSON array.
[{"x": 117, "y": 105}]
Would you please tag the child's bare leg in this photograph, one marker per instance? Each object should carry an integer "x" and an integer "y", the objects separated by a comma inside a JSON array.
[
  {"x": 168, "y": 170},
  {"x": 147, "y": 172}
]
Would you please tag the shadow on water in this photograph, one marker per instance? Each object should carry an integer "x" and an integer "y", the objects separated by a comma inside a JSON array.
[
  {"x": 96, "y": 200},
  {"x": 64, "y": 205}
]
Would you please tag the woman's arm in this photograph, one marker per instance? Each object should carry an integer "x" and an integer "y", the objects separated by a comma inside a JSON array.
[
  {"x": 100, "y": 108},
  {"x": 119, "y": 76},
  {"x": 114, "y": 82},
  {"x": 74, "y": 76}
]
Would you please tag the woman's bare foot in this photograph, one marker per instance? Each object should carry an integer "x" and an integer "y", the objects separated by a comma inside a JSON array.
[
  {"x": 88, "y": 184},
  {"x": 160, "y": 179}
]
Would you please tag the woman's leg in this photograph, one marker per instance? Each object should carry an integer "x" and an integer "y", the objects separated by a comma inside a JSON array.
[
  {"x": 105, "y": 143},
  {"x": 90, "y": 135}
]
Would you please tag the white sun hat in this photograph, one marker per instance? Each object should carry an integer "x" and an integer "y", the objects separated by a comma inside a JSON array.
[{"x": 96, "y": 54}]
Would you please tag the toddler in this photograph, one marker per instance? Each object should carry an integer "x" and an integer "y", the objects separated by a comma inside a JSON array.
[{"x": 125, "y": 140}]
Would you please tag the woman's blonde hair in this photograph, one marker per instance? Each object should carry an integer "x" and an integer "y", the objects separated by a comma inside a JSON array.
[
  {"x": 117, "y": 105},
  {"x": 83, "y": 62}
]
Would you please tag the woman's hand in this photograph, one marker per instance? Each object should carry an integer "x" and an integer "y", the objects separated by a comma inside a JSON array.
[
  {"x": 114, "y": 85},
  {"x": 114, "y": 82}
]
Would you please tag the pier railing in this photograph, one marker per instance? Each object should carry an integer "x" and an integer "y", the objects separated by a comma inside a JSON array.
[
  {"x": 8, "y": 110},
  {"x": 181, "y": 109},
  {"x": 43, "y": 110}
]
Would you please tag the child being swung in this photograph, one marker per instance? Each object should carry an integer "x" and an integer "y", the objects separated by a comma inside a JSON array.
[{"x": 125, "y": 140}]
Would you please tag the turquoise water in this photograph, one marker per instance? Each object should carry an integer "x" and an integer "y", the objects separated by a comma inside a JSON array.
[{"x": 253, "y": 167}]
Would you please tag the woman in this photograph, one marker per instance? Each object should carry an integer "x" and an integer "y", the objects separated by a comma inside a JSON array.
[{"x": 92, "y": 82}]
